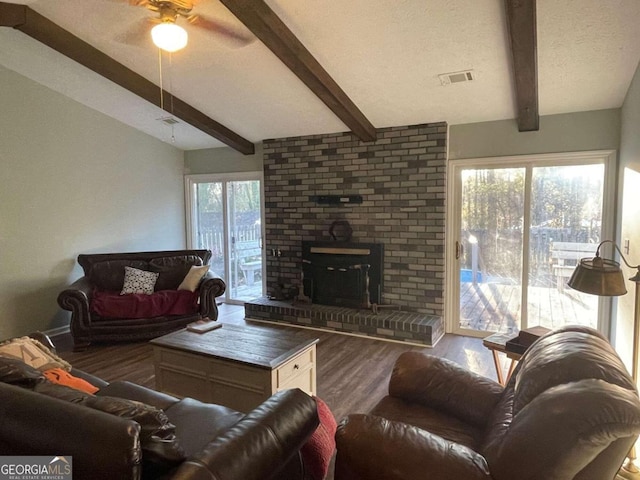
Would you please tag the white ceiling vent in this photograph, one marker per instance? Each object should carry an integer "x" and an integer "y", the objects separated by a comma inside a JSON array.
[
  {"x": 456, "y": 77},
  {"x": 168, "y": 120}
]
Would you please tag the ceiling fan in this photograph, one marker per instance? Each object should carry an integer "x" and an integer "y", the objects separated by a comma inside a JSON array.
[{"x": 168, "y": 35}]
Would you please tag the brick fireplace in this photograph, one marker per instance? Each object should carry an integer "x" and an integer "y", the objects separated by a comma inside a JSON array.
[
  {"x": 400, "y": 182},
  {"x": 342, "y": 273}
]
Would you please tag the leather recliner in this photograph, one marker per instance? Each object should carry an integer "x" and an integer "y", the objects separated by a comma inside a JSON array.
[{"x": 569, "y": 411}]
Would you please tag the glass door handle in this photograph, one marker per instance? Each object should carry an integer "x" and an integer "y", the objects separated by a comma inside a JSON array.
[{"x": 459, "y": 250}]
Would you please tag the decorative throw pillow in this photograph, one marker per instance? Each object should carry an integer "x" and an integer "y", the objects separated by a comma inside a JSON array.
[
  {"x": 192, "y": 280},
  {"x": 319, "y": 449},
  {"x": 138, "y": 281},
  {"x": 33, "y": 353}
]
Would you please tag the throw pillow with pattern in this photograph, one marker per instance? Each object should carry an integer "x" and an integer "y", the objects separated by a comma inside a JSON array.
[
  {"x": 138, "y": 281},
  {"x": 33, "y": 353}
]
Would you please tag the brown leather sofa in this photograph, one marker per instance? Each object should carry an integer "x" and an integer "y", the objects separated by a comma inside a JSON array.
[
  {"x": 570, "y": 411},
  {"x": 216, "y": 442},
  {"x": 106, "y": 271}
]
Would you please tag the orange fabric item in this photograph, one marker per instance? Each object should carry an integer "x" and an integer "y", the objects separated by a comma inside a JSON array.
[{"x": 62, "y": 377}]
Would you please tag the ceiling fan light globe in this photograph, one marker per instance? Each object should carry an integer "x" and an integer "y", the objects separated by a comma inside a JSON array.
[{"x": 169, "y": 37}]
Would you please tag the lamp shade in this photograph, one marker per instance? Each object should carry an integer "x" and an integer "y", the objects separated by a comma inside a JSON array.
[
  {"x": 169, "y": 37},
  {"x": 598, "y": 276}
]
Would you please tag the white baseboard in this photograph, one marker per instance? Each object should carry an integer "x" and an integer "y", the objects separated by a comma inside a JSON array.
[{"x": 57, "y": 331}]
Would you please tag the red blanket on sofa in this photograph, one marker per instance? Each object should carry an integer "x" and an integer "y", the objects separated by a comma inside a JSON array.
[{"x": 158, "y": 304}]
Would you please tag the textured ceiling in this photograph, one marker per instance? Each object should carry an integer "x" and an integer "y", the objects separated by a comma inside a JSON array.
[{"x": 385, "y": 54}]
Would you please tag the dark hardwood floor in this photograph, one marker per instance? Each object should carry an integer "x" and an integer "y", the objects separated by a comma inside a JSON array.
[{"x": 352, "y": 376}]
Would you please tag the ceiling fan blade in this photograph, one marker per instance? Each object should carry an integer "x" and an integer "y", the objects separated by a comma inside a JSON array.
[
  {"x": 231, "y": 33},
  {"x": 139, "y": 33}
]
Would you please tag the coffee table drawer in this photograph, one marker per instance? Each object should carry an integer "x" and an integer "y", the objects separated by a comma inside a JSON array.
[
  {"x": 296, "y": 366},
  {"x": 305, "y": 381}
]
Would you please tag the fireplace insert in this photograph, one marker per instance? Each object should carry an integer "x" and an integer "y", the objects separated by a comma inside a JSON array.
[{"x": 343, "y": 273}]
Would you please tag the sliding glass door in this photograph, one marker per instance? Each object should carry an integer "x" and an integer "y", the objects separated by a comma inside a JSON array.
[
  {"x": 517, "y": 234},
  {"x": 225, "y": 216},
  {"x": 491, "y": 247}
]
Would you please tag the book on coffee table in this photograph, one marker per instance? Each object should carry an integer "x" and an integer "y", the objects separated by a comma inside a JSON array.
[{"x": 202, "y": 326}]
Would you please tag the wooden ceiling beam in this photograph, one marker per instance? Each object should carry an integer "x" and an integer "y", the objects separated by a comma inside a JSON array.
[
  {"x": 267, "y": 26},
  {"x": 31, "y": 23},
  {"x": 521, "y": 25}
]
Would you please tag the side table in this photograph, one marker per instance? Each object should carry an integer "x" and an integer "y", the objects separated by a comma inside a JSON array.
[{"x": 497, "y": 343}]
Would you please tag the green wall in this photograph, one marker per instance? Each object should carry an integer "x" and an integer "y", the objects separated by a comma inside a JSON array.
[
  {"x": 73, "y": 181},
  {"x": 222, "y": 160},
  {"x": 629, "y": 210},
  {"x": 570, "y": 132}
]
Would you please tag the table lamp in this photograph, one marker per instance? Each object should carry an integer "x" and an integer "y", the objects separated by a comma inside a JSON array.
[{"x": 601, "y": 276}]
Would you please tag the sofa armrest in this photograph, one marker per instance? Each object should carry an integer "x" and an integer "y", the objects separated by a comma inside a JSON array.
[
  {"x": 372, "y": 447},
  {"x": 442, "y": 384},
  {"x": 211, "y": 287},
  {"x": 77, "y": 298},
  {"x": 260, "y": 444},
  {"x": 81, "y": 287},
  {"x": 103, "y": 446}
]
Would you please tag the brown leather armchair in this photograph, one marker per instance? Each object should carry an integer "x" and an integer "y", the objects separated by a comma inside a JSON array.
[
  {"x": 106, "y": 271},
  {"x": 570, "y": 411}
]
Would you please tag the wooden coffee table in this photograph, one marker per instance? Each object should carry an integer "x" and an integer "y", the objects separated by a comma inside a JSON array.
[{"x": 238, "y": 366}]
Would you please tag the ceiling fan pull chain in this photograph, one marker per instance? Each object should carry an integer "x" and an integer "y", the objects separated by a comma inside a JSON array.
[
  {"x": 160, "y": 72},
  {"x": 173, "y": 137},
  {"x": 171, "y": 80}
]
